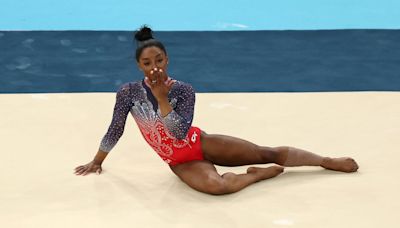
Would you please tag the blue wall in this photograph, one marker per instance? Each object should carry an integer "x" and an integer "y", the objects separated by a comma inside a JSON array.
[{"x": 236, "y": 61}]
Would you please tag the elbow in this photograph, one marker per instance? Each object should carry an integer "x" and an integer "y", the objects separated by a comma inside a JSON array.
[
  {"x": 180, "y": 137},
  {"x": 180, "y": 134}
]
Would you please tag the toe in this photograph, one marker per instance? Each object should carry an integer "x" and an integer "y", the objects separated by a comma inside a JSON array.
[
  {"x": 279, "y": 169},
  {"x": 251, "y": 170}
]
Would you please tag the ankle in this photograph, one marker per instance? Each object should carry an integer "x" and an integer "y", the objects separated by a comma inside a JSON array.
[{"x": 325, "y": 161}]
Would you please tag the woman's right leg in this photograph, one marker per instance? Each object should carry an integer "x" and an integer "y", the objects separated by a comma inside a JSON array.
[
  {"x": 202, "y": 176},
  {"x": 231, "y": 151}
]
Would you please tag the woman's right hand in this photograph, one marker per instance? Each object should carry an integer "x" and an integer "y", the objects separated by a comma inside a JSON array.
[
  {"x": 162, "y": 83},
  {"x": 91, "y": 167}
]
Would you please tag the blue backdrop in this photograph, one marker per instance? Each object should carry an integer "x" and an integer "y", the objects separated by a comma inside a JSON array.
[{"x": 236, "y": 61}]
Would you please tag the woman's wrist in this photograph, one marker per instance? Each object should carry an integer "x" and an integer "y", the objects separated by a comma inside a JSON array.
[
  {"x": 97, "y": 162},
  {"x": 99, "y": 158},
  {"x": 162, "y": 100},
  {"x": 165, "y": 107}
]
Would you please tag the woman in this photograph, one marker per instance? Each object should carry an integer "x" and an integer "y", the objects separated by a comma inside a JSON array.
[{"x": 163, "y": 110}]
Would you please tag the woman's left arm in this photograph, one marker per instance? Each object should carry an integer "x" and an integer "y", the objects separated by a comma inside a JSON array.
[{"x": 179, "y": 119}]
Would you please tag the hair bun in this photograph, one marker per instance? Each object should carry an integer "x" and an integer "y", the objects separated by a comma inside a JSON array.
[{"x": 145, "y": 33}]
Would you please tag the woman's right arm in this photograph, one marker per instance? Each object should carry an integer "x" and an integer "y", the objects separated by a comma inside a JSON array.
[{"x": 115, "y": 131}]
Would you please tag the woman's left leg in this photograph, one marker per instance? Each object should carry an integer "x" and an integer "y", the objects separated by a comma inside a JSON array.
[
  {"x": 202, "y": 176},
  {"x": 231, "y": 151}
]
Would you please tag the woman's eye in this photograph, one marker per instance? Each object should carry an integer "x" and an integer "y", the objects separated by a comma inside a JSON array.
[
  {"x": 146, "y": 64},
  {"x": 160, "y": 60}
]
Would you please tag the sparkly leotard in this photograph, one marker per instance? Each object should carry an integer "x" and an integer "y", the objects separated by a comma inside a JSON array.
[{"x": 172, "y": 136}]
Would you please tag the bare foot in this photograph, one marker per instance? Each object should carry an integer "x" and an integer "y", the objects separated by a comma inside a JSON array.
[
  {"x": 266, "y": 173},
  {"x": 344, "y": 164}
]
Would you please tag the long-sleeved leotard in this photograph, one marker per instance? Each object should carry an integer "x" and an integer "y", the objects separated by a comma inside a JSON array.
[{"x": 172, "y": 136}]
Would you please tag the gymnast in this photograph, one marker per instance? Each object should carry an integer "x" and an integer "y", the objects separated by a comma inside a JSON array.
[{"x": 163, "y": 110}]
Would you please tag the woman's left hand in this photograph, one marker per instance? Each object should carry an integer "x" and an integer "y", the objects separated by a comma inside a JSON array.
[{"x": 159, "y": 83}]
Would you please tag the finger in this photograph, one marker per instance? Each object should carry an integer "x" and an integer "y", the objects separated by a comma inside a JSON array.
[
  {"x": 163, "y": 75},
  {"x": 155, "y": 71},
  {"x": 152, "y": 75},
  {"x": 166, "y": 82},
  {"x": 79, "y": 167},
  {"x": 170, "y": 83},
  {"x": 85, "y": 168},
  {"x": 147, "y": 82},
  {"x": 81, "y": 171},
  {"x": 156, "y": 78},
  {"x": 169, "y": 86},
  {"x": 98, "y": 171}
]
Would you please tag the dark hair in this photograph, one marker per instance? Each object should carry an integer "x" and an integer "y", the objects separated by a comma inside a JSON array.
[{"x": 144, "y": 38}]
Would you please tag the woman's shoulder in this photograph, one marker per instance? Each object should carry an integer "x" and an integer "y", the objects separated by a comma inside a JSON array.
[
  {"x": 130, "y": 86},
  {"x": 181, "y": 86}
]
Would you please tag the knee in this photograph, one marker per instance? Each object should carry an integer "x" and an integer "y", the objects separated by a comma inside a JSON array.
[
  {"x": 281, "y": 154},
  {"x": 215, "y": 185},
  {"x": 275, "y": 155}
]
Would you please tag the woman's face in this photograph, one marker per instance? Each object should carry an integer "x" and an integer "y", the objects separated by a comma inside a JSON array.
[{"x": 152, "y": 57}]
